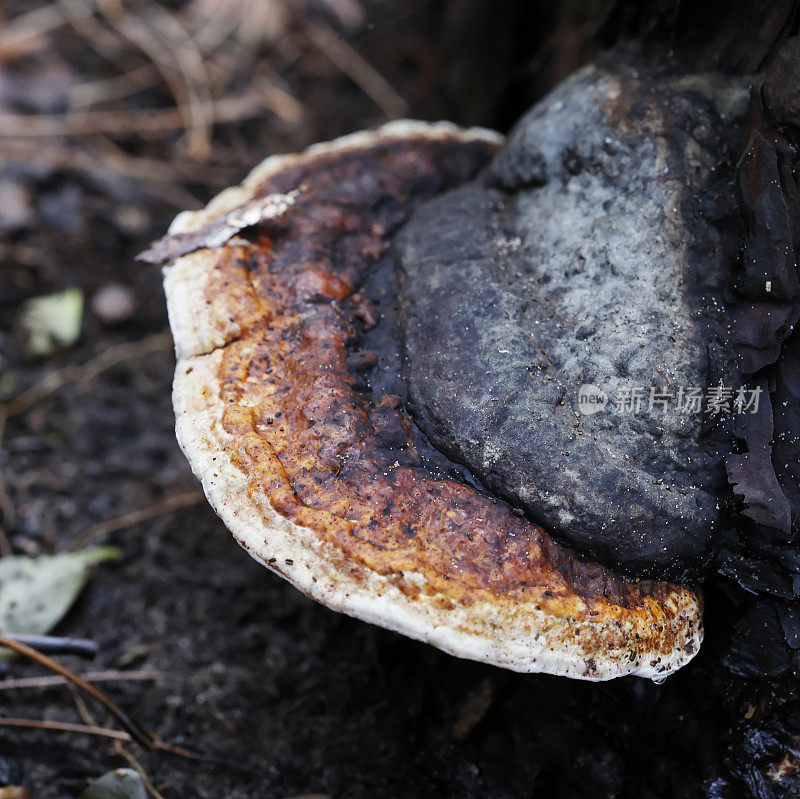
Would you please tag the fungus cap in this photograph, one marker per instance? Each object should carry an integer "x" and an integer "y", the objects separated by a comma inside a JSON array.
[{"x": 289, "y": 408}]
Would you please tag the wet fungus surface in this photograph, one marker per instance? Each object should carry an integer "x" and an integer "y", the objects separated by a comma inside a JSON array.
[
  {"x": 292, "y": 409},
  {"x": 595, "y": 252}
]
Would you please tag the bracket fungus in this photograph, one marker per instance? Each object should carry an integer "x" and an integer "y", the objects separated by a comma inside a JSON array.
[
  {"x": 292, "y": 408},
  {"x": 591, "y": 254}
]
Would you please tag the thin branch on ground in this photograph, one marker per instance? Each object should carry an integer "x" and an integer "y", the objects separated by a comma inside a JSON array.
[
  {"x": 103, "y": 732},
  {"x": 343, "y": 56},
  {"x": 117, "y": 87},
  {"x": 142, "y": 122},
  {"x": 143, "y": 738},
  {"x": 138, "y": 768},
  {"x": 56, "y": 645},
  {"x": 167, "y": 185},
  {"x": 97, "y": 157},
  {"x": 80, "y": 14},
  {"x": 40, "y": 20},
  {"x": 83, "y": 710},
  {"x": 183, "y": 500},
  {"x": 169, "y": 47},
  {"x": 120, "y": 353},
  {"x": 279, "y": 100},
  {"x": 50, "y": 681},
  {"x": 26, "y": 33}
]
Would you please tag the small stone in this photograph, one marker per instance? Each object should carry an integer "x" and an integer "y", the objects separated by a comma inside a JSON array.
[
  {"x": 51, "y": 323},
  {"x": 114, "y": 304},
  {"x": 132, "y": 219},
  {"x": 16, "y": 210}
]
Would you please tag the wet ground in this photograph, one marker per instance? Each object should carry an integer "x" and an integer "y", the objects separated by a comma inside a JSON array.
[{"x": 280, "y": 697}]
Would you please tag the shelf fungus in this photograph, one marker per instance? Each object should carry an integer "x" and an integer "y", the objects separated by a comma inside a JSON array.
[{"x": 342, "y": 370}]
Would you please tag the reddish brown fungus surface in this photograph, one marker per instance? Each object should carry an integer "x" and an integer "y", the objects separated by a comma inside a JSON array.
[{"x": 342, "y": 459}]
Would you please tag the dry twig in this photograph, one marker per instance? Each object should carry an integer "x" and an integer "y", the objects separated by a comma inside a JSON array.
[
  {"x": 141, "y": 122},
  {"x": 57, "y": 645},
  {"x": 183, "y": 500},
  {"x": 358, "y": 69},
  {"x": 143, "y": 738},
  {"x": 144, "y": 76},
  {"x": 84, "y": 729},
  {"x": 49, "y": 681},
  {"x": 172, "y": 51},
  {"x": 158, "y": 342},
  {"x": 26, "y": 33},
  {"x": 81, "y": 16},
  {"x": 157, "y": 177},
  {"x": 137, "y": 767}
]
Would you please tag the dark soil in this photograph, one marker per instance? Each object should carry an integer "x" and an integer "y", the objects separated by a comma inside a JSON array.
[{"x": 280, "y": 696}]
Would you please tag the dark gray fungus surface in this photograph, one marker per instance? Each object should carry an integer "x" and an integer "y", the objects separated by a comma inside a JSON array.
[{"x": 595, "y": 251}]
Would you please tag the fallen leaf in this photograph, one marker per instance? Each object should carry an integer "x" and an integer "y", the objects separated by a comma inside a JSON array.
[
  {"x": 35, "y": 593},
  {"x": 51, "y": 323},
  {"x": 123, "y": 783}
]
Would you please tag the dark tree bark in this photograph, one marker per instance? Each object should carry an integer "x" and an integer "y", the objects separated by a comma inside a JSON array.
[{"x": 499, "y": 58}]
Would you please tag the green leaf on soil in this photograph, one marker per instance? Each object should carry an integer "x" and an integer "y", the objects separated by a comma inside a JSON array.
[
  {"x": 35, "y": 593},
  {"x": 123, "y": 783},
  {"x": 51, "y": 323}
]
